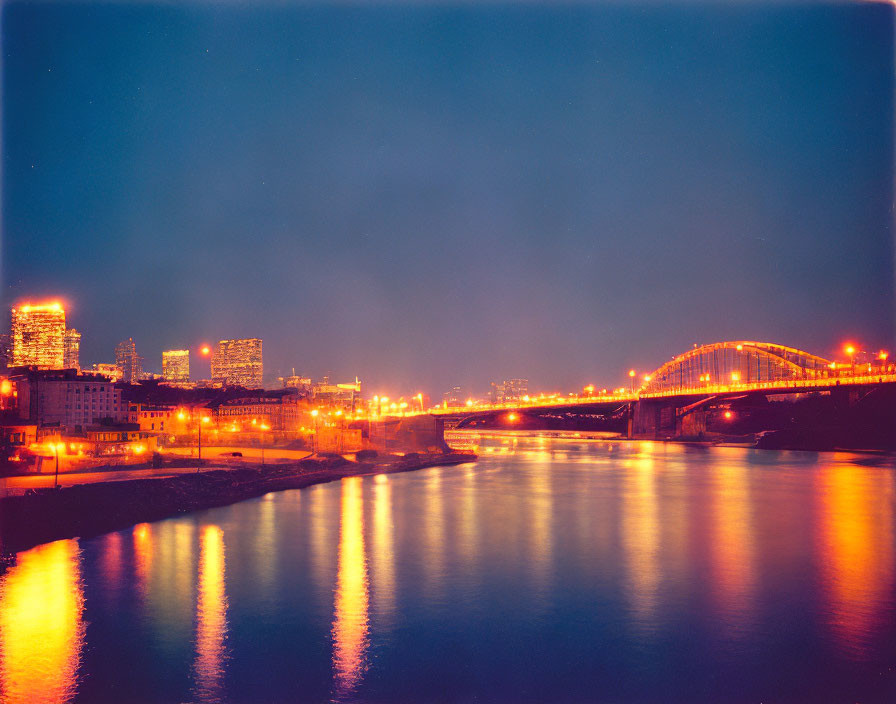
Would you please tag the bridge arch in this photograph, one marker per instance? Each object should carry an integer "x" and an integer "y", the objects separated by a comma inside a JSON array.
[{"x": 734, "y": 363}]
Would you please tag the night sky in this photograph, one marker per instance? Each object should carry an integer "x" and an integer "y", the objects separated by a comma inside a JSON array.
[{"x": 430, "y": 195}]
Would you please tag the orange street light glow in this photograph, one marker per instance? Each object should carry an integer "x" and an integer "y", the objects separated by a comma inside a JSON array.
[
  {"x": 728, "y": 415},
  {"x": 631, "y": 372},
  {"x": 512, "y": 417},
  {"x": 850, "y": 350},
  {"x": 205, "y": 350}
]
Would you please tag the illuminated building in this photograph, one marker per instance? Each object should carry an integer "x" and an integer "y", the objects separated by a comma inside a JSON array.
[
  {"x": 113, "y": 371},
  {"x": 70, "y": 399},
  {"x": 238, "y": 363},
  {"x": 153, "y": 418},
  {"x": 295, "y": 381},
  {"x": 279, "y": 411},
  {"x": 510, "y": 390},
  {"x": 71, "y": 349},
  {"x": 38, "y": 336},
  {"x": 453, "y": 397},
  {"x": 5, "y": 350},
  {"x": 176, "y": 365},
  {"x": 127, "y": 359},
  {"x": 342, "y": 394}
]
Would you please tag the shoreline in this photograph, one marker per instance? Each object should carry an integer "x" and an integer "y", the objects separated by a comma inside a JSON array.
[
  {"x": 722, "y": 441},
  {"x": 88, "y": 510}
]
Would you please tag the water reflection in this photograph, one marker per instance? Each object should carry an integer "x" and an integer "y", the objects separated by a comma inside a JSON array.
[
  {"x": 856, "y": 552},
  {"x": 41, "y": 626},
  {"x": 350, "y": 621},
  {"x": 434, "y": 532},
  {"x": 641, "y": 539},
  {"x": 142, "y": 536},
  {"x": 732, "y": 550},
  {"x": 541, "y": 523},
  {"x": 211, "y": 617},
  {"x": 382, "y": 557}
]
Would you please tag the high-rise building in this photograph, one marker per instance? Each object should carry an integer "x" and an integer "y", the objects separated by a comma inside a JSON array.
[
  {"x": 176, "y": 365},
  {"x": 38, "y": 336},
  {"x": 71, "y": 349},
  {"x": 127, "y": 359},
  {"x": 238, "y": 363}
]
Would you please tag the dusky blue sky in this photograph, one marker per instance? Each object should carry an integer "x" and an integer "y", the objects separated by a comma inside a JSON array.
[{"x": 428, "y": 195}]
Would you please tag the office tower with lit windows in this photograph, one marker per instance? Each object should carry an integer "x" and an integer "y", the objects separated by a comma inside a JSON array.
[
  {"x": 238, "y": 363},
  {"x": 127, "y": 359},
  {"x": 38, "y": 336},
  {"x": 71, "y": 349},
  {"x": 176, "y": 365}
]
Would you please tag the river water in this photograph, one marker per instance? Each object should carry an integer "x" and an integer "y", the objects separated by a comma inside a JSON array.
[{"x": 549, "y": 570}]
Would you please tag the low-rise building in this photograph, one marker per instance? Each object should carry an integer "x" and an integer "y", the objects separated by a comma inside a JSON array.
[
  {"x": 279, "y": 412},
  {"x": 154, "y": 418},
  {"x": 122, "y": 439},
  {"x": 66, "y": 398}
]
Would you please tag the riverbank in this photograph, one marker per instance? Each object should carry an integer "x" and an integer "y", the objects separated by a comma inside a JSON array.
[{"x": 86, "y": 510}]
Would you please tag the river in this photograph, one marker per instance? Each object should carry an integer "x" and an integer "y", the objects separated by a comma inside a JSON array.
[{"x": 549, "y": 570}]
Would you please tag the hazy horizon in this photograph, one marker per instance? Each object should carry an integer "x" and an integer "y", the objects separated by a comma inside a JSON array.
[{"x": 436, "y": 195}]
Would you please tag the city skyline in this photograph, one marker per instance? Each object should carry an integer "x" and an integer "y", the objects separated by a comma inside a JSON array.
[{"x": 580, "y": 197}]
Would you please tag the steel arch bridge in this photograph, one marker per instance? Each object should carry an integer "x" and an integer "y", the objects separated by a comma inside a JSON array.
[{"x": 735, "y": 363}]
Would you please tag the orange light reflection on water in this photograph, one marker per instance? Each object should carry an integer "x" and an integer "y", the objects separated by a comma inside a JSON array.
[
  {"x": 732, "y": 550},
  {"x": 350, "y": 621},
  {"x": 41, "y": 625},
  {"x": 641, "y": 541},
  {"x": 382, "y": 554},
  {"x": 855, "y": 542},
  {"x": 211, "y": 617},
  {"x": 142, "y": 556}
]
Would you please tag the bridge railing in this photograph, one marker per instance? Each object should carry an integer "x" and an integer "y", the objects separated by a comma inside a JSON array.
[{"x": 796, "y": 384}]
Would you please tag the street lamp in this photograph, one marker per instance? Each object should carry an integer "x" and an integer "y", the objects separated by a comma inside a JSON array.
[
  {"x": 851, "y": 353},
  {"x": 57, "y": 446},
  {"x": 263, "y": 427},
  {"x": 314, "y": 414},
  {"x": 631, "y": 375},
  {"x": 202, "y": 419}
]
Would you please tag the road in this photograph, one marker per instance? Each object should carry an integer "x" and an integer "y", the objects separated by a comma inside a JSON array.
[
  {"x": 253, "y": 452},
  {"x": 215, "y": 455},
  {"x": 38, "y": 481}
]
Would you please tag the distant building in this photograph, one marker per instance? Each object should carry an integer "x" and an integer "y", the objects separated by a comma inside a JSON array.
[
  {"x": 295, "y": 381},
  {"x": 510, "y": 390},
  {"x": 5, "y": 350},
  {"x": 71, "y": 349},
  {"x": 113, "y": 371},
  {"x": 67, "y": 398},
  {"x": 38, "y": 336},
  {"x": 127, "y": 359},
  {"x": 345, "y": 393},
  {"x": 453, "y": 397},
  {"x": 176, "y": 365},
  {"x": 278, "y": 411},
  {"x": 238, "y": 363}
]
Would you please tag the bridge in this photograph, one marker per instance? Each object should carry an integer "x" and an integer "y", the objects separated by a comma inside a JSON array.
[{"x": 717, "y": 389}]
